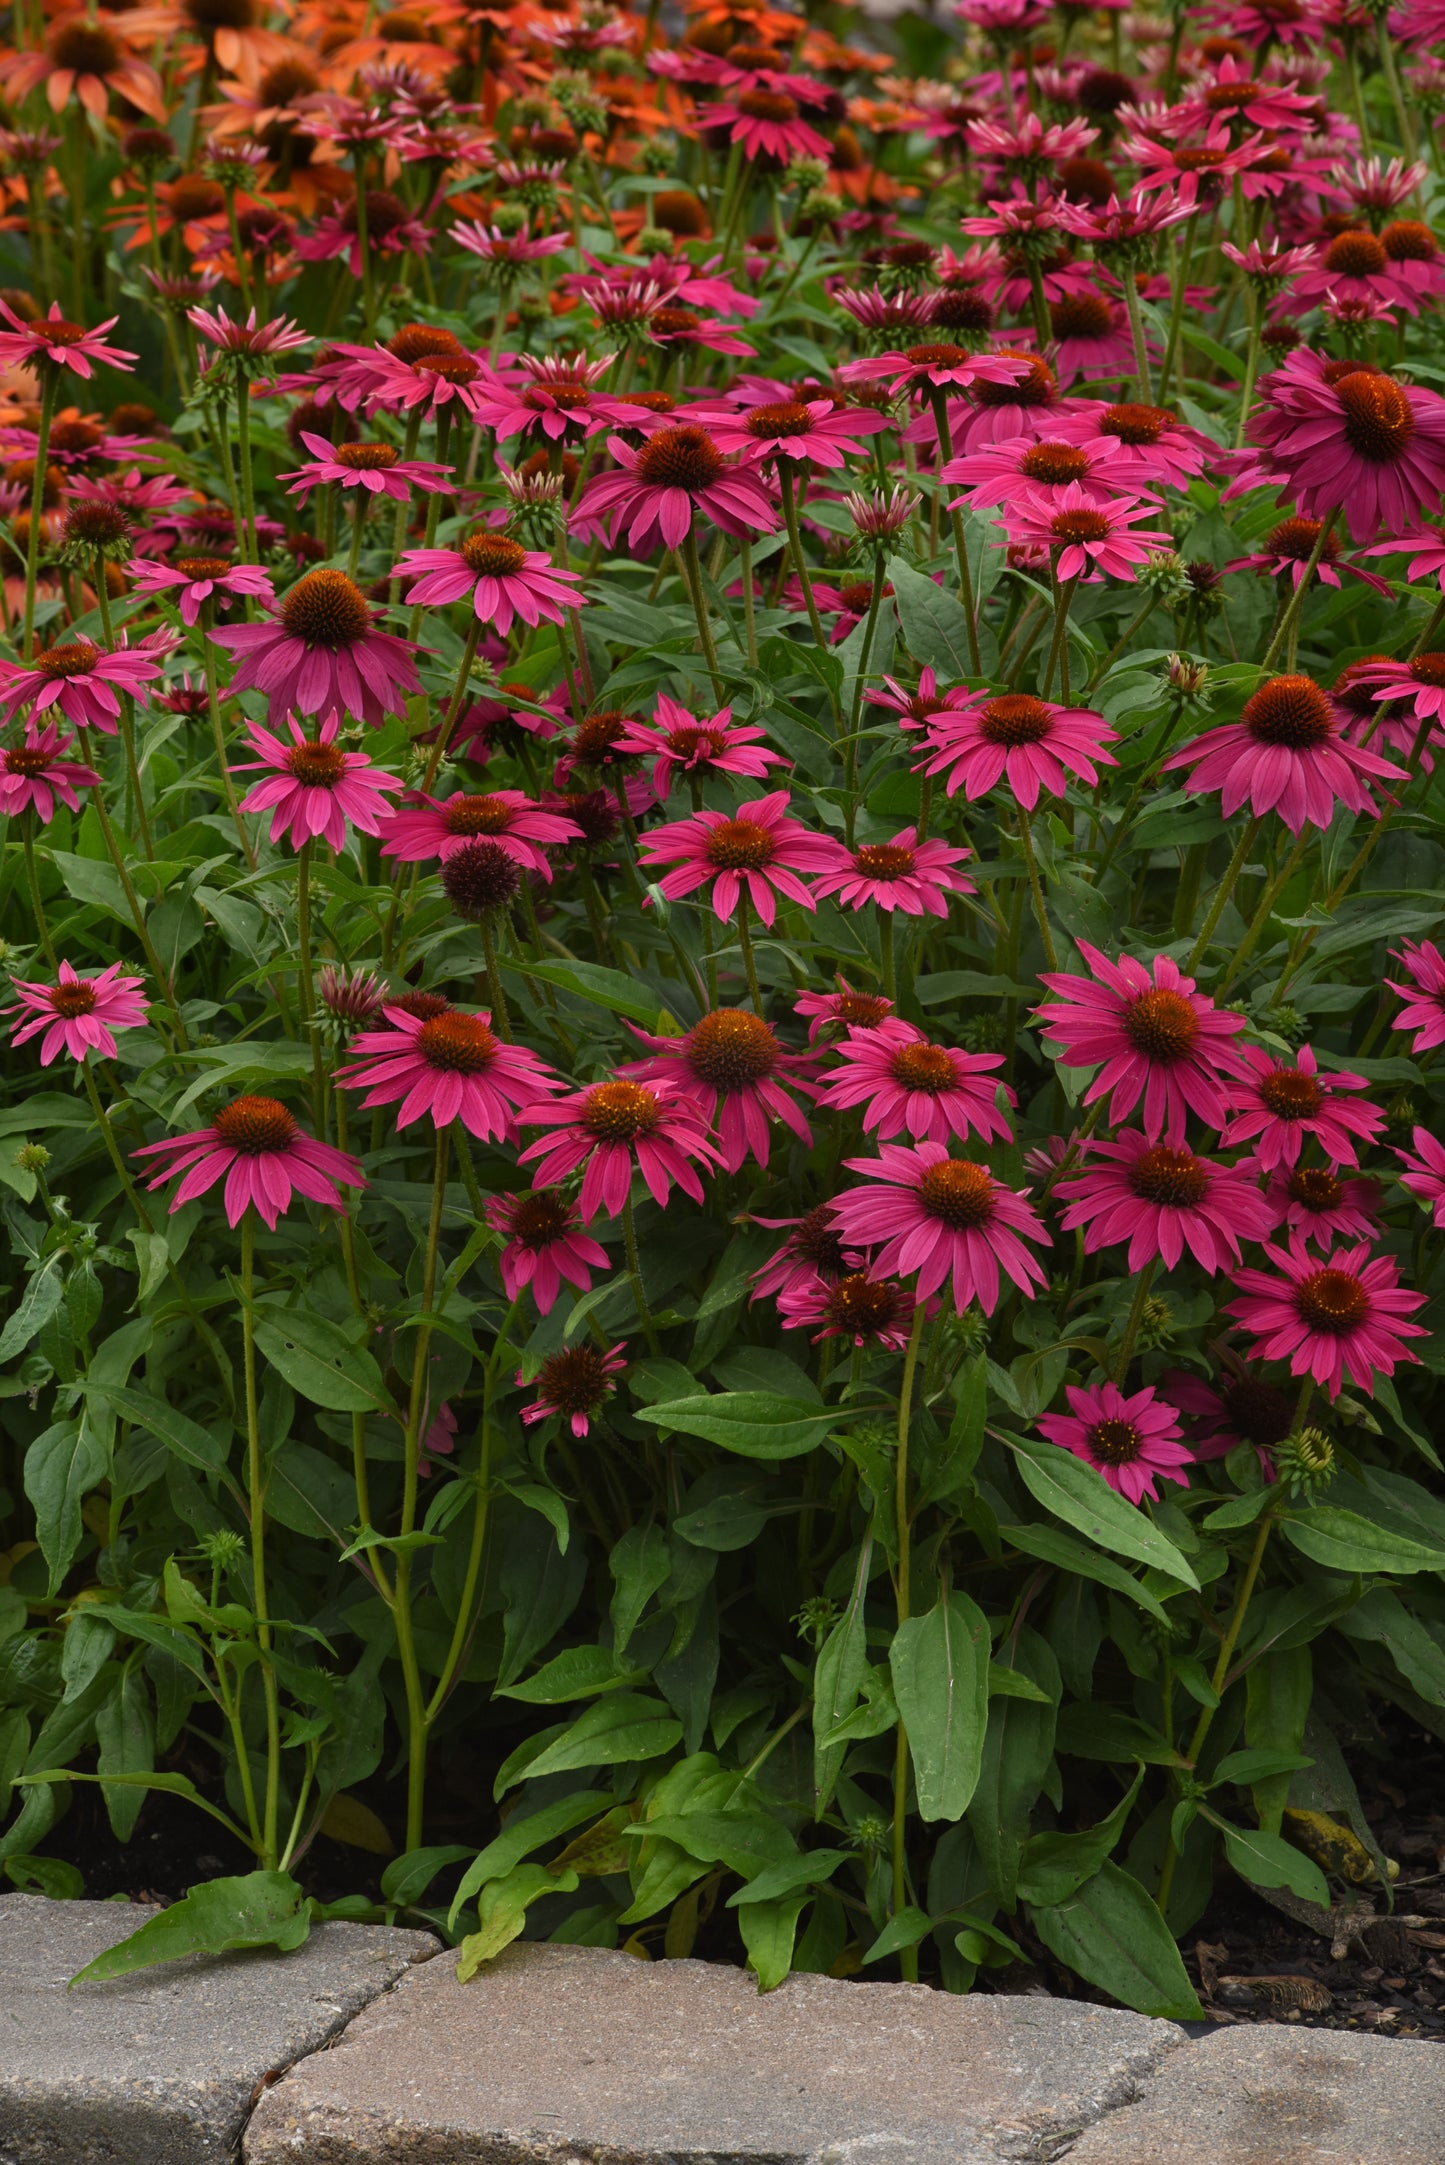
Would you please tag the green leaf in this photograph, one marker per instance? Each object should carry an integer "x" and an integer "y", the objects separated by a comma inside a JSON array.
[
  {"x": 598, "y": 987},
  {"x": 576, "y": 1673},
  {"x": 1343, "y": 1541},
  {"x": 905, "y": 1928},
  {"x": 172, "y": 1785},
  {"x": 62, "y": 1466},
  {"x": 837, "y": 1680},
  {"x": 259, "y": 1909},
  {"x": 37, "y": 1304},
  {"x": 641, "y": 1562},
  {"x": 1084, "y": 1500},
  {"x": 523, "y": 1833},
  {"x": 1087, "y": 1731},
  {"x": 769, "y": 1930},
  {"x": 125, "y": 1731},
  {"x": 621, "y": 1728},
  {"x": 1111, "y": 1934},
  {"x": 1268, "y": 1860},
  {"x": 1257, "y": 1765},
  {"x": 92, "y": 881},
  {"x": 406, "y": 1879},
  {"x": 757, "y": 1424},
  {"x": 319, "y": 1359},
  {"x": 935, "y": 627},
  {"x": 939, "y": 1664},
  {"x": 791, "y": 1874},
  {"x": 502, "y": 1912},
  {"x": 197, "y": 1446},
  {"x": 1053, "y": 1546},
  {"x": 1054, "y": 1866}
]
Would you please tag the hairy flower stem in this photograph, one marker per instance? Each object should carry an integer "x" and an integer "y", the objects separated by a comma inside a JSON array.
[
  {"x": 249, "y": 552},
  {"x": 955, "y": 516},
  {"x": 256, "y": 1511},
  {"x": 1142, "y": 376},
  {"x": 308, "y": 985},
  {"x": 444, "y": 733},
  {"x": 745, "y": 942},
  {"x": 1059, "y": 644},
  {"x": 634, "y": 1272},
  {"x": 153, "y": 960},
  {"x": 1026, "y": 837},
  {"x": 501, "y": 1013},
  {"x": 49, "y": 389},
  {"x": 32, "y": 880},
  {"x": 1131, "y": 1326},
  {"x": 1286, "y": 627},
  {"x": 1260, "y": 919},
  {"x": 692, "y": 579},
  {"x": 788, "y": 486},
  {"x": 416, "y": 1712},
  {"x": 885, "y": 949},
  {"x": 750, "y": 622},
  {"x": 466, "y": 1621},
  {"x": 1251, "y": 368},
  {"x": 903, "y": 1593},
  {"x": 1176, "y": 312},
  {"x": 1222, "y": 894},
  {"x": 223, "y": 765}
]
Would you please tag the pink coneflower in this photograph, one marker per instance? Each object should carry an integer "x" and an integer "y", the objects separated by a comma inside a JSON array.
[
  {"x": 910, "y": 1086},
  {"x": 1031, "y": 743},
  {"x": 390, "y": 231},
  {"x": 860, "y": 1306},
  {"x": 78, "y": 1014},
  {"x": 1424, "y": 1173},
  {"x": 505, "y": 581},
  {"x": 680, "y": 743},
  {"x": 616, "y": 1128},
  {"x": 1359, "y": 440},
  {"x": 1133, "y": 1441},
  {"x": 1151, "y": 1035},
  {"x": 904, "y": 874},
  {"x": 1323, "y": 1205},
  {"x": 674, "y": 328},
  {"x": 312, "y": 788},
  {"x": 665, "y": 484},
  {"x": 846, "y": 1009},
  {"x": 50, "y": 340},
  {"x": 768, "y": 124},
  {"x": 1343, "y": 1316},
  {"x": 545, "y": 1245},
  {"x": 1421, "y": 680},
  {"x": 1293, "y": 545},
  {"x": 1424, "y": 996},
  {"x": 814, "y": 432},
  {"x": 376, "y": 468},
  {"x": 733, "y": 1068},
  {"x": 941, "y": 1217},
  {"x": 1093, "y": 538},
  {"x": 1149, "y": 442},
  {"x": 1092, "y": 338},
  {"x": 511, "y": 250},
  {"x": 1276, "y": 1107},
  {"x": 1240, "y": 1408},
  {"x": 450, "y": 1066},
  {"x": 1022, "y": 467},
  {"x": 1165, "y": 1201},
  {"x": 34, "y": 774},
  {"x": 574, "y": 1384},
  {"x": 200, "y": 579},
  {"x": 939, "y": 366},
  {"x": 425, "y": 828},
  {"x": 83, "y": 680},
  {"x": 322, "y": 654},
  {"x": 248, "y": 339},
  {"x": 758, "y": 851},
  {"x": 1354, "y": 266},
  {"x": 916, "y": 709},
  {"x": 1287, "y": 753},
  {"x": 812, "y": 1253},
  {"x": 255, "y": 1143},
  {"x": 559, "y": 401}
]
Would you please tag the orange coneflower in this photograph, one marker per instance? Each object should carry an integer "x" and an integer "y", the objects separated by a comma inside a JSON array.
[{"x": 87, "y": 59}]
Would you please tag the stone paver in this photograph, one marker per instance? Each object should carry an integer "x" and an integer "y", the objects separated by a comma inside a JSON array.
[
  {"x": 160, "y": 2068},
  {"x": 577, "y": 2056},
  {"x": 1283, "y": 2096}
]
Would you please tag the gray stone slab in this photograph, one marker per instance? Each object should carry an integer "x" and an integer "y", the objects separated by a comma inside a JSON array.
[
  {"x": 161, "y": 2068},
  {"x": 1278, "y": 2095},
  {"x": 577, "y": 2056}
]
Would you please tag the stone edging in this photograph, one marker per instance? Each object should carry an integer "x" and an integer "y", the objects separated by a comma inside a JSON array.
[{"x": 359, "y": 2050}]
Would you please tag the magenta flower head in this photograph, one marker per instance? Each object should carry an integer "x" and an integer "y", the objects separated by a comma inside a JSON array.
[
  {"x": 377, "y": 469},
  {"x": 1424, "y": 1173},
  {"x": 812, "y": 1252},
  {"x": 424, "y": 828},
  {"x": 1133, "y": 1441},
  {"x": 505, "y": 581},
  {"x": 904, "y": 874},
  {"x": 1287, "y": 753},
  {"x": 574, "y": 1384},
  {"x": 835, "y": 1013},
  {"x": 1322, "y": 1205},
  {"x": 733, "y": 1068},
  {"x": 35, "y": 773},
  {"x": 450, "y": 1066},
  {"x": 758, "y": 851},
  {"x": 1343, "y": 1316},
  {"x": 1092, "y": 537},
  {"x": 860, "y": 1306},
  {"x": 545, "y": 1244},
  {"x": 1240, "y": 1408},
  {"x": 1166, "y": 1202},
  {"x": 983, "y": 738},
  {"x": 1277, "y": 1107},
  {"x": 1340, "y": 434},
  {"x": 680, "y": 743},
  {"x": 915, "y": 710},
  {"x": 200, "y": 579},
  {"x": 257, "y": 1147},
  {"x": 941, "y": 1217},
  {"x": 83, "y": 680},
  {"x": 910, "y": 1086},
  {"x": 51, "y": 341},
  {"x": 322, "y": 653},
  {"x": 937, "y": 367},
  {"x": 1151, "y": 1035},
  {"x": 1421, "y": 680},
  {"x": 811, "y": 432},
  {"x": 78, "y": 1014},
  {"x": 312, "y": 788},
  {"x": 665, "y": 484},
  {"x": 1424, "y": 996},
  {"x": 616, "y": 1128}
]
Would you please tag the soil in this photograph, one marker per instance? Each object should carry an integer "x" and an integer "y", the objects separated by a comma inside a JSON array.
[{"x": 1384, "y": 1971}]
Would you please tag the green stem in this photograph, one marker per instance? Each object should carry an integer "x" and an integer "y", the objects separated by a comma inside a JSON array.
[
  {"x": 444, "y": 734},
  {"x": 153, "y": 960},
  {"x": 401, "y": 1601},
  {"x": 33, "y": 881},
  {"x": 501, "y": 1014},
  {"x": 750, "y": 626},
  {"x": 1285, "y": 627},
  {"x": 1251, "y": 367},
  {"x": 243, "y": 452},
  {"x": 903, "y": 1592},
  {"x": 745, "y": 942},
  {"x": 223, "y": 766},
  {"x": 256, "y": 1506},
  {"x": 1222, "y": 895},
  {"x": 49, "y": 388},
  {"x": 634, "y": 1271},
  {"x": 1260, "y": 918},
  {"x": 1026, "y": 836},
  {"x": 1131, "y": 1326},
  {"x": 692, "y": 575},
  {"x": 1142, "y": 375},
  {"x": 1176, "y": 312},
  {"x": 885, "y": 948},
  {"x": 789, "y": 488},
  {"x": 308, "y": 987},
  {"x": 955, "y": 517}
]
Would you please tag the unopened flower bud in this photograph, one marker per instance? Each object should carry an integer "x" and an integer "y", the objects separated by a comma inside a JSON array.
[
  {"x": 1186, "y": 675},
  {"x": 32, "y": 1157},
  {"x": 1305, "y": 1461}
]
